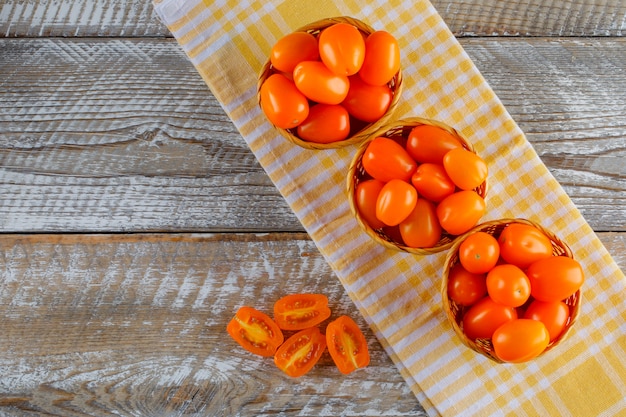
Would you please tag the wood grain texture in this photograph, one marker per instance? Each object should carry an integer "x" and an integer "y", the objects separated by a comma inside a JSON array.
[
  {"x": 69, "y": 18},
  {"x": 123, "y": 134},
  {"x": 134, "y": 325}
]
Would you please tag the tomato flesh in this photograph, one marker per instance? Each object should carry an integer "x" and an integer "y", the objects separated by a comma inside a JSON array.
[
  {"x": 255, "y": 331},
  {"x": 300, "y": 311},
  {"x": 347, "y": 345},
  {"x": 299, "y": 354}
]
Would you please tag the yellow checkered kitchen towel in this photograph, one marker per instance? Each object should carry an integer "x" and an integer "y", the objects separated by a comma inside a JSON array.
[{"x": 228, "y": 41}]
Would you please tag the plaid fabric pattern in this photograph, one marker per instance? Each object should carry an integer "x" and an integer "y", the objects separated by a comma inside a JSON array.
[{"x": 397, "y": 293}]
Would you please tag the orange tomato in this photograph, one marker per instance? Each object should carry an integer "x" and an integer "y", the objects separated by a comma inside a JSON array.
[
  {"x": 520, "y": 340},
  {"x": 384, "y": 159},
  {"x": 366, "y": 197},
  {"x": 555, "y": 278},
  {"x": 508, "y": 285},
  {"x": 326, "y": 123},
  {"x": 320, "y": 84},
  {"x": 421, "y": 229},
  {"x": 347, "y": 345},
  {"x": 292, "y": 49},
  {"x": 255, "y": 331},
  {"x": 466, "y": 169},
  {"x": 427, "y": 143},
  {"x": 465, "y": 288},
  {"x": 432, "y": 182},
  {"x": 300, "y": 311},
  {"x": 283, "y": 104},
  {"x": 382, "y": 58},
  {"x": 479, "y": 252},
  {"x": 522, "y": 244},
  {"x": 299, "y": 354},
  {"x": 342, "y": 48},
  {"x": 396, "y": 201},
  {"x": 367, "y": 102},
  {"x": 484, "y": 317},
  {"x": 459, "y": 212},
  {"x": 553, "y": 314}
]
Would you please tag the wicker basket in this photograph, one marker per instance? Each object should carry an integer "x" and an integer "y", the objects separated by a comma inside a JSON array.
[
  {"x": 396, "y": 130},
  {"x": 455, "y": 312},
  {"x": 365, "y": 130}
]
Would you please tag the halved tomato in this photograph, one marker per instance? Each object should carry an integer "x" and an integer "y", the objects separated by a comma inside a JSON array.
[
  {"x": 255, "y": 331},
  {"x": 300, "y": 311},
  {"x": 347, "y": 345},
  {"x": 300, "y": 352}
]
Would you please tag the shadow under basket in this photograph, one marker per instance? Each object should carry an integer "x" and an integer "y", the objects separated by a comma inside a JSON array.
[
  {"x": 360, "y": 131},
  {"x": 398, "y": 130},
  {"x": 455, "y": 312}
]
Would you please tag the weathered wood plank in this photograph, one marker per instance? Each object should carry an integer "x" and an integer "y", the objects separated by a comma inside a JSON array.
[
  {"x": 123, "y": 135},
  {"x": 135, "y": 325},
  {"x": 68, "y": 18}
]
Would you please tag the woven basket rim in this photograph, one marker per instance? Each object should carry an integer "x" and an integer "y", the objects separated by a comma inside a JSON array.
[
  {"x": 483, "y": 346},
  {"x": 405, "y": 123},
  {"x": 357, "y": 137}
]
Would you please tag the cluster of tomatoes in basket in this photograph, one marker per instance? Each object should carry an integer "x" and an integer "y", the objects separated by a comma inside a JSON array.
[
  {"x": 421, "y": 186},
  {"x": 258, "y": 333},
  {"x": 513, "y": 290},
  {"x": 325, "y": 87}
]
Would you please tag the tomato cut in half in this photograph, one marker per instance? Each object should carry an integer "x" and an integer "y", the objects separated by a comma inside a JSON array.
[
  {"x": 301, "y": 311},
  {"x": 347, "y": 345},
  {"x": 255, "y": 331},
  {"x": 300, "y": 352}
]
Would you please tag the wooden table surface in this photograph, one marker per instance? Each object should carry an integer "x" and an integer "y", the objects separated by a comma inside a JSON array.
[{"x": 135, "y": 221}]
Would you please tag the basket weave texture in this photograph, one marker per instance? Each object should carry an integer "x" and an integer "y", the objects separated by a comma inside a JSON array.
[
  {"x": 455, "y": 312},
  {"x": 365, "y": 130},
  {"x": 399, "y": 130}
]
